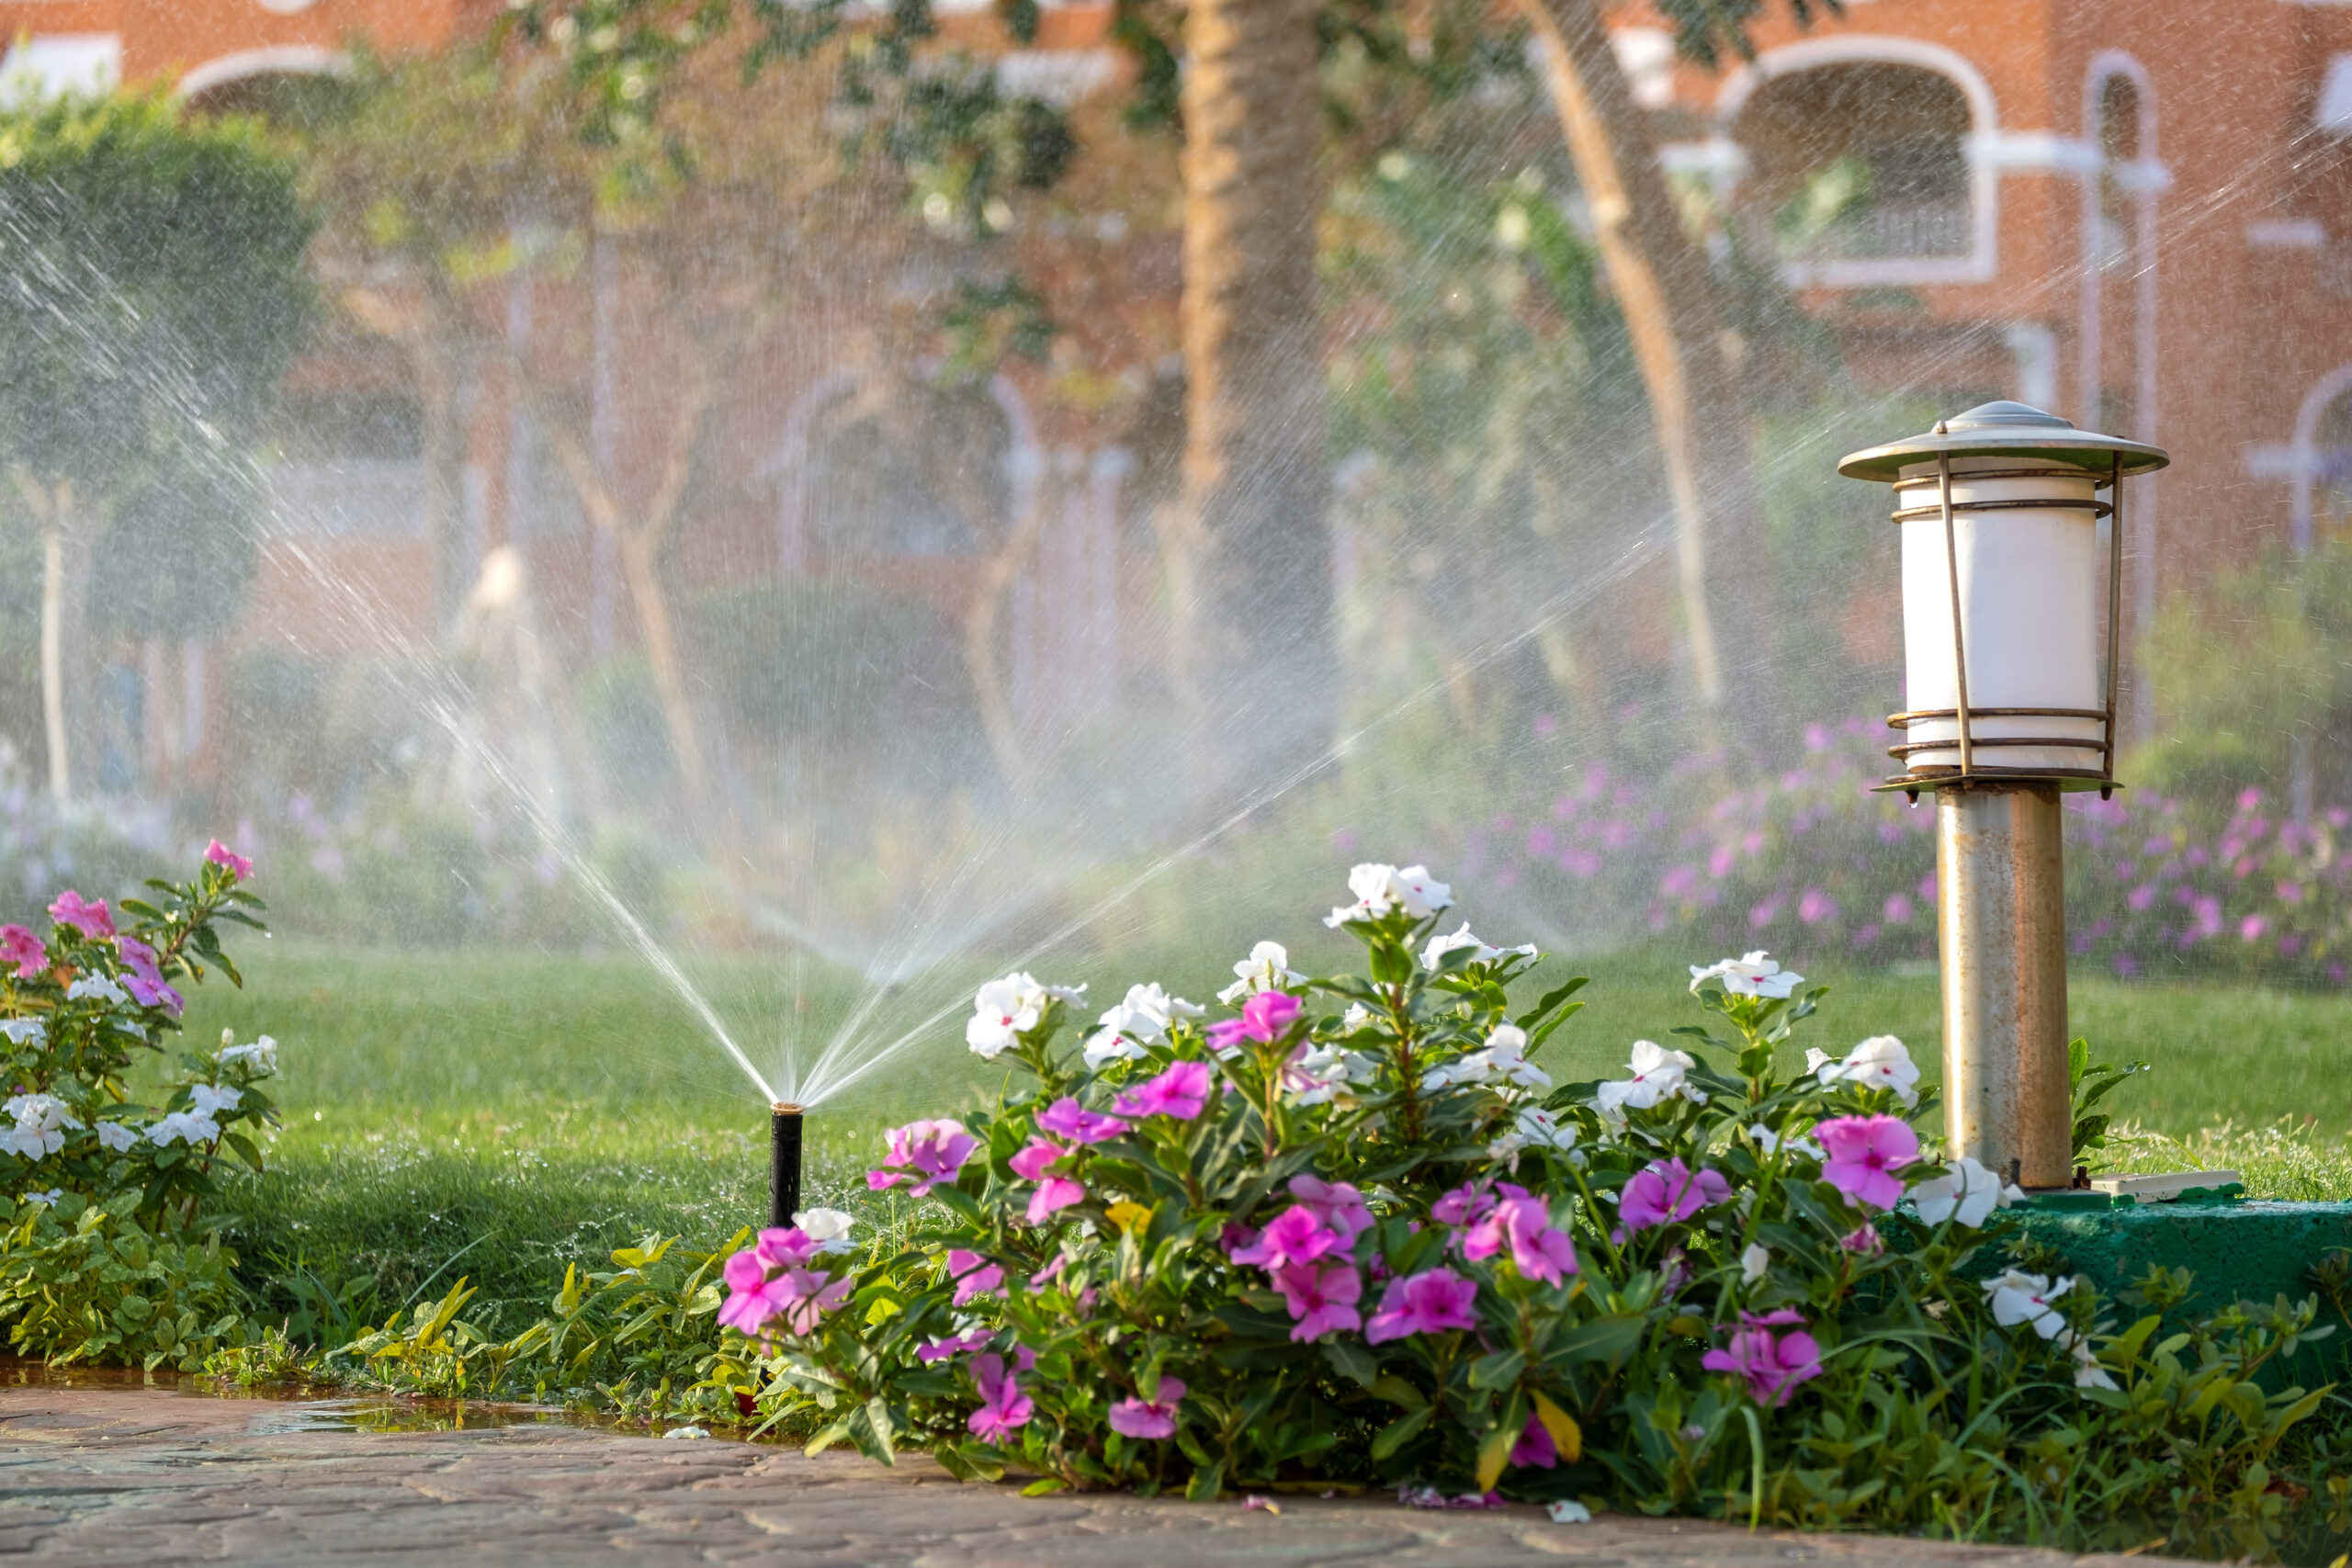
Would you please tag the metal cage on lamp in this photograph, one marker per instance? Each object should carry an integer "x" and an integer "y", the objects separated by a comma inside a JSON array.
[{"x": 1999, "y": 596}]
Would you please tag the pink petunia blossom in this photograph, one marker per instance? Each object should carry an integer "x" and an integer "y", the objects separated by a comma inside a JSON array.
[
  {"x": 1431, "y": 1301},
  {"x": 1149, "y": 1418},
  {"x": 1536, "y": 1446},
  {"x": 808, "y": 1295},
  {"x": 924, "y": 1153},
  {"x": 90, "y": 918},
  {"x": 974, "y": 1275},
  {"x": 744, "y": 1271},
  {"x": 1666, "y": 1192},
  {"x": 783, "y": 1249},
  {"x": 21, "y": 948},
  {"x": 1863, "y": 1241},
  {"x": 1004, "y": 1407},
  {"x": 1065, "y": 1118},
  {"x": 1522, "y": 1222},
  {"x": 952, "y": 1345},
  {"x": 1265, "y": 1017},
  {"x": 144, "y": 979},
  {"x": 748, "y": 1308},
  {"x": 1032, "y": 1162},
  {"x": 1864, "y": 1154},
  {"x": 1336, "y": 1204},
  {"x": 1053, "y": 1195},
  {"x": 219, "y": 853},
  {"x": 1321, "y": 1298},
  {"x": 1465, "y": 1205},
  {"x": 1180, "y": 1092},
  {"x": 1296, "y": 1235},
  {"x": 1772, "y": 1363}
]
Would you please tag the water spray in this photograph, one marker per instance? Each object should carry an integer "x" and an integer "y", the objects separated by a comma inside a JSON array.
[{"x": 784, "y": 1163}]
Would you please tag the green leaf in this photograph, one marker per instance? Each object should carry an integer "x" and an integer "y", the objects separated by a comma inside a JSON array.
[
  {"x": 1552, "y": 999},
  {"x": 1396, "y": 1391},
  {"x": 1206, "y": 1483},
  {"x": 1494, "y": 1453},
  {"x": 1353, "y": 1360},
  {"x": 1498, "y": 1371},
  {"x": 1610, "y": 1339},
  {"x": 1399, "y": 1432}
]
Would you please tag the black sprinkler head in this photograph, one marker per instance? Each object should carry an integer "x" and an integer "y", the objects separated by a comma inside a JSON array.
[{"x": 784, "y": 1164}]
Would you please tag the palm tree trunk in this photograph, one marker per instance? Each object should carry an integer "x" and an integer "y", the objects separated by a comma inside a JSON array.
[
  {"x": 1675, "y": 322},
  {"x": 1251, "y": 535}
]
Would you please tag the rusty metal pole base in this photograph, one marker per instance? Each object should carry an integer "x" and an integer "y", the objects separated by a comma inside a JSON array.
[{"x": 2001, "y": 926}]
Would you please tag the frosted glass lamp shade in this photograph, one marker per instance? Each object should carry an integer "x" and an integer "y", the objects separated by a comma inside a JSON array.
[{"x": 2028, "y": 607}]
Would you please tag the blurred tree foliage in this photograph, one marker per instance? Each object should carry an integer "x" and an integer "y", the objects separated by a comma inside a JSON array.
[{"x": 152, "y": 289}]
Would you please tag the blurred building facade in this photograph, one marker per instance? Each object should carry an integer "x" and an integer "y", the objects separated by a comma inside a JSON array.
[{"x": 2135, "y": 212}]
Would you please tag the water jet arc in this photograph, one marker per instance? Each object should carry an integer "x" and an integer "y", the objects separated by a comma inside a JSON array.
[{"x": 784, "y": 1164}]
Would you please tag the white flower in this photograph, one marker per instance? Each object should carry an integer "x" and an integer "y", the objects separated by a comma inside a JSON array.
[
  {"x": 1539, "y": 1128},
  {"x": 1504, "y": 1058},
  {"x": 1381, "y": 888},
  {"x": 1880, "y": 1062},
  {"x": 117, "y": 1136},
  {"x": 1314, "y": 1076},
  {"x": 2089, "y": 1373},
  {"x": 1658, "y": 1073},
  {"x": 1141, "y": 1020},
  {"x": 1752, "y": 976},
  {"x": 1007, "y": 1009},
  {"x": 97, "y": 985},
  {"x": 1358, "y": 1016},
  {"x": 1435, "y": 950},
  {"x": 1966, "y": 1188},
  {"x": 42, "y": 1122},
  {"x": 183, "y": 1127},
  {"x": 828, "y": 1228},
  {"x": 45, "y": 1199},
  {"x": 25, "y": 1030},
  {"x": 210, "y": 1099},
  {"x": 1753, "y": 1263},
  {"x": 1565, "y": 1512},
  {"x": 1817, "y": 1060},
  {"x": 1266, "y": 969},
  {"x": 1769, "y": 1142},
  {"x": 261, "y": 1055},
  {"x": 2018, "y": 1297}
]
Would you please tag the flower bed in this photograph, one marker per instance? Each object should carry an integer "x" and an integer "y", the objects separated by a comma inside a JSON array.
[{"x": 1352, "y": 1236}]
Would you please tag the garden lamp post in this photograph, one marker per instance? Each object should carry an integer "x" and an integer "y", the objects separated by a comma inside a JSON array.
[
  {"x": 784, "y": 1164},
  {"x": 2009, "y": 699}
]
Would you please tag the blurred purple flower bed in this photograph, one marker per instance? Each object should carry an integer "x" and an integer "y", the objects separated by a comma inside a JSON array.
[{"x": 1810, "y": 861}]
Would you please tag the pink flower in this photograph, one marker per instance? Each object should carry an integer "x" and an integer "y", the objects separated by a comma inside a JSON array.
[
  {"x": 1429, "y": 1302},
  {"x": 749, "y": 1308},
  {"x": 219, "y": 853},
  {"x": 1465, "y": 1205},
  {"x": 1536, "y": 1446},
  {"x": 1053, "y": 1194},
  {"x": 951, "y": 1347},
  {"x": 1180, "y": 1092},
  {"x": 744, "y": 1272},
  {"x": 1321, "y": 1298},
  {"x": 1296, "y": 1235},
  {"x": 1265, "y": 1017},
  {"x": 1065, "y": 1118},
  {"x": 1863, "y": 1241},
  {"x": 931, "y": 1151},
  {"x": 1864, "y": 1154},
  {"x": 1524, "y": 1222},
  {"x": 1154, "y": 1417},
  {"x": 783, "y": 1249},
  {"x": 1666, "y": 1192},
  {"x": 1336, "y": 1204},
  {"x": 807, "y": 1296},
  {"x": 974, "y": 1275},
  {"x": 21, "y": 948},
  {"x": 90, "y": 919},
  {"x": 1772, "y": 1363},
  {"x": 1031, "y": 1163},
  {"x": 1004, "y": 1407}
]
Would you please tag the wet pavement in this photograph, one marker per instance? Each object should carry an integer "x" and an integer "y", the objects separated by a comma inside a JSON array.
[{"x": 103, "y": 1470}]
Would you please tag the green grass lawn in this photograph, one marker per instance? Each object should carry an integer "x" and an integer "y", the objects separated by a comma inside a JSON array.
[{"x": 495, "y": 1115}]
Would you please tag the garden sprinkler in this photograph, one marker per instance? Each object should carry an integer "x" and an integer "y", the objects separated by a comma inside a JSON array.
[{"x": 784, "y": 1164}]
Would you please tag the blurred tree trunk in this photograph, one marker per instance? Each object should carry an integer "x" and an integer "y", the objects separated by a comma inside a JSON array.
[
  {"x": 1248, "y": 544},
  {"x": 53, "y": 513},
  {"x": 1687, "y": 363}
]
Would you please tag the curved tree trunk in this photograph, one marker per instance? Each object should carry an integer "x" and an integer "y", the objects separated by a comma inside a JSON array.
[
  {"x": 1675, "y": 322},
  {"x": 1249, "y": 542}
]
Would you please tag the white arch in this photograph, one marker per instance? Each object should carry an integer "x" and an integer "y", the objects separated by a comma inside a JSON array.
[
  {"x": 285, "y": 58},
  {"x": 1984, "y": 132},
  {"x": 1025, "y": 459},
  {"x": 2329, "y": 387}
]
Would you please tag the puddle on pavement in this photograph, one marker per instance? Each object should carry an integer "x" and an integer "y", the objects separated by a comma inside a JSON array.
[{"x": 313, "y": 1407}]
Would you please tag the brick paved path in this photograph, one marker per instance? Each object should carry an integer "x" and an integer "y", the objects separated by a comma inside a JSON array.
[{"x": 136, "y": 1476}]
